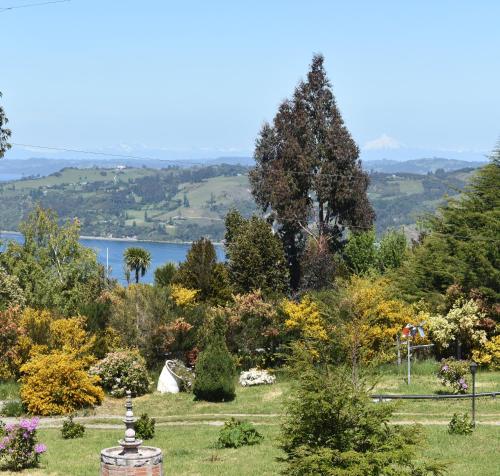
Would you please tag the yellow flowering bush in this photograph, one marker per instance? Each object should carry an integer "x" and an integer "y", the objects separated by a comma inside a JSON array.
[
  {"x": 69, "y": 336},
  {"x": 36, "y": 324},
  {"x": 375, "y": 318},
  {"x": 31, "y": 332},
  {"x": 57, "y": 383},
  {"x": 304, "y": 316},
  {"x": 489, "y": 354},
  {"x": 183, "y": 296}
]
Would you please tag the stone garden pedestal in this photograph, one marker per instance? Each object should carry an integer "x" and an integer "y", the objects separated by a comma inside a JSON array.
[{"x": 131, "y": 458}]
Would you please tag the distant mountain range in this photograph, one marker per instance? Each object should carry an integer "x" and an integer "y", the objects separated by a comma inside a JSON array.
[
  {"x": 13, "y": 169},
  {"x": 419, "y": 166}
]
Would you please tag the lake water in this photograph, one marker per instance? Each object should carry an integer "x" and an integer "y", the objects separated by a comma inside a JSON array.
[
  {"x": 161, "y": 253},
  {"x": 7, "y": 177}
]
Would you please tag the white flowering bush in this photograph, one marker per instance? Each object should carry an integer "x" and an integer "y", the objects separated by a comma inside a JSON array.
[
  {"x": 122, "y": 371},
  {"x": 460, "y": 323},
  {"x": 256, "y": 377}
]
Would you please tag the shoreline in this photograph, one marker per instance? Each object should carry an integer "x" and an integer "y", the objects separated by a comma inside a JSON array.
[{"x": 131, "y": 240}]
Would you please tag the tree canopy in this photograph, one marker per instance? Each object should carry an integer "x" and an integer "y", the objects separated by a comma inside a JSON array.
[
  {"x": 4, "y": 132},
  {"x": 255, "y": 255},
  {"x": 202, "y": 272},
  {"x": 137, "y": 260},
  {"x": 461, "y": 243},
  {"x": 51, "y": 267},
  {"x": 308, "y": 169}
]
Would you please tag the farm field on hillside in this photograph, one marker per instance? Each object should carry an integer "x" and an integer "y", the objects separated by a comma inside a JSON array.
[{"x": 184, "y": 204}]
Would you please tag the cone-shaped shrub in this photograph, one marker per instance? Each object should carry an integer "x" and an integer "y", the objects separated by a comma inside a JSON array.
[{"x": 215, "y": 371}]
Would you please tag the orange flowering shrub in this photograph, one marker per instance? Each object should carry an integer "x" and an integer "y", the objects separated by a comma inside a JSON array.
[
  {"x": 57, "y": 383},
  {"x": 10, "y": 332},
  {"x": 176, "y": 336}
]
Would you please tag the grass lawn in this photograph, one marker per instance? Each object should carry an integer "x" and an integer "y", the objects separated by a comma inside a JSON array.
[
  {"x": 188, "y": 450},
  {"x": 186, "y": 429}
]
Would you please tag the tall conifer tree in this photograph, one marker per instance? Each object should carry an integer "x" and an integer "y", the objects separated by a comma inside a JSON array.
[{"x": 308, "y": 170}]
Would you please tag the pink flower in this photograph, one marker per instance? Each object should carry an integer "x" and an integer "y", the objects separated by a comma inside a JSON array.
[
  {"x": 40, "y": 448},
  {"x": 29, "y": 425}
]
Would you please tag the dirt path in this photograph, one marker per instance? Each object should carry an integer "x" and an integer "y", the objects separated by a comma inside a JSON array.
[{"x": 197, "y": 420}]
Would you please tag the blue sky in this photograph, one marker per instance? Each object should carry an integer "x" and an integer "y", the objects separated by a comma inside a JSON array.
[{"x": 198, "y": 78}]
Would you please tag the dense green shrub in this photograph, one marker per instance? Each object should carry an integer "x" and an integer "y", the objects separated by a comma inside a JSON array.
[
  {"x": 122, "y": 371},
  {"x": 215, "y": 371},
  {"x": 202, "y": 272},
  {"x": 71, "y": 429},
  {"x": 360, "y": 252},
  {"x": 51, "y": 268},
  {"x": 145, "y": 427},
  {"x": 256, "y": 259},
  {"x": 237, "y": 433},
  {"x": 460, "y": 425},
  {"x": 12, "y": 408},
  {"x": 332, "y": 428},
  {"x": 165, "y": 274}
]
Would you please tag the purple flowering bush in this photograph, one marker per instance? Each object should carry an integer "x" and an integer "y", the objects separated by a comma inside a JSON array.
[
  {"x": 18, "y": 445},
  {"x": 452, "y": 374}
]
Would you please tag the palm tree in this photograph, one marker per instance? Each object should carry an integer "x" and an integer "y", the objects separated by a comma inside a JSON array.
[{"x": 137, "y": 260}]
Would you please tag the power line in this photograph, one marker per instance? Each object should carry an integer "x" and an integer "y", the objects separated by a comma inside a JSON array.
[
  {"x": 15, "y": 7},
  {"x": 289, "y": 172},
  {"x": 139, "y": 157},
  {"x": 80, "y": 151}
]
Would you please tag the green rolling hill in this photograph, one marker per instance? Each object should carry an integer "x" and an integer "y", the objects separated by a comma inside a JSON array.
[{"x": 186, "y": 203}]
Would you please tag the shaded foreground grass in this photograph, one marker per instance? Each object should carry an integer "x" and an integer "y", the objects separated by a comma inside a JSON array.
[{"x": 189, "y": 451}]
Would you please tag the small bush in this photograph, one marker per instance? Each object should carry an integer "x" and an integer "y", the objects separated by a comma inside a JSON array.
[
  {"x": 18, "y": 447},
  {"x": 215, "y": 371},
  {"x": 122, "y": 371},
  {"x": 460, "y": 425},
  {"x": 452, "y": 374},
  {"x": 71, "y": 430},
  {"x": 237, "y": 433},
  {"x": 12, "y": 408},
  {"x": 56, "y": 384},
  {"x": 145, "y": 427}
]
